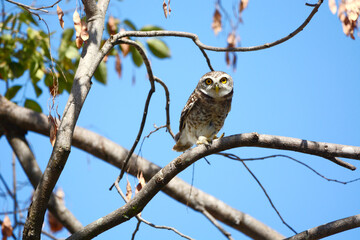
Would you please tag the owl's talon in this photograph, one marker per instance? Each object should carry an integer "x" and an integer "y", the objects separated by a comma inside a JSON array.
[
  {"x": 222, "y": 135},
  {"x": 203, "y": 140}
]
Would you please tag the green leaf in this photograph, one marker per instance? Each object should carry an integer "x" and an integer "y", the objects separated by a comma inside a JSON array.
[
  {"x": 37, "y": 89},
  {"x": 72, "y": 52},
  {"x": 158, "y": 48},
  {"x": 151, "y": 28},
  {"x": 65, "y": 42},
  {"x": 101, "y": 73},
  {"x": 17, "y": 69},
  {"x": 31, "y": 104},
  {"x": 136, "y": 57},
  {"x": 130, "y": 24},
  {"x": 12, "y": 91}
]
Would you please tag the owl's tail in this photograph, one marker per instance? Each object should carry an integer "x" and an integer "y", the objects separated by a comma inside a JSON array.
[{"x": 180, "y": 146}]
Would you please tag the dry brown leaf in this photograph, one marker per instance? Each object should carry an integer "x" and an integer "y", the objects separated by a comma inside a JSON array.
[
  {"x": 6, "y": 228},
  {"x": 165, "y": 9},
  {"x": 128, "y": 191},
  {"x": 118, "y": 65},
  {"x": 53, "y": 129},
  {"x": 54, "y": 224},
  {"x": 77, "y": 23},
  {"x": 216, "y": 24},
  {"x": 79, "y": 42},
  {"x": 227, "y": 58},
  {"x": 169, "y": 7},
  {"x": 141, "y": 183},
  {"x": 112, "y": 27},
  {"x": 231, "y": 40},
  {"x": 84, "y": 34},
  {"x": 243, "y": 5},
  {"x": 60, "y": 14}
]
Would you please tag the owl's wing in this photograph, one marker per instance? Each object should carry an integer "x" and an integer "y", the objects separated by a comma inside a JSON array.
[{"x": 185, "y": 112}]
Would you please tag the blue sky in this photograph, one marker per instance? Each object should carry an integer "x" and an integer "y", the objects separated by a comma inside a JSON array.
[{"x": 307, "y": 87}]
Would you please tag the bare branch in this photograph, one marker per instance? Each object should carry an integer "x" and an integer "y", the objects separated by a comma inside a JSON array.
[
  {"x": 81, "y": 87},
  {"x": 140, "y": 219},
  {"x": 216, "y": 223},
  {"x": 16, "y": 138},
  {"x": 261, "y": 186},
  {"x": 147, "y": 102},
  {"x": 27, "y": 7},
  {"x": 178, "y": 189},
  {"x": 117, "y": 37},
  {"x": 329, "y": 229},
  {"x": 167, "y": 106},
  {"x": 234, "y": 157}
]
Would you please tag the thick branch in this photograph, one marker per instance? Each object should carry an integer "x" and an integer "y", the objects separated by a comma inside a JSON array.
[
  {"x": 16, "y": 138},
  {"x": 115, "y": 155},
  {"x": 61, "y": 150},
  {"x": 329, "y": 229}
]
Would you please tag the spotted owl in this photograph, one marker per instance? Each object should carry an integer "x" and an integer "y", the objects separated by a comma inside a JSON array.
[{"x": 205, "y": 111}]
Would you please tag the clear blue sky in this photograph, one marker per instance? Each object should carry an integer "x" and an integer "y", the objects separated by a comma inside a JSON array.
[{"x": 307, "y": 87}]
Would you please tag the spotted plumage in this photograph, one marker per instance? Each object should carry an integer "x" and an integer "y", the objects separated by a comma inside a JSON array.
[{"x": 205, "y": 111}]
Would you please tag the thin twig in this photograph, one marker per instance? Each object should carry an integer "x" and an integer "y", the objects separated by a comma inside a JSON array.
[
  {"x": 259, "y": 183},
  {"x": 167, "y": 106},
  {"x": 136, "y": 230},
  {"x": 140, "y": 219},
  {"x": 215, "y": 222},
  {"x": 34, "y": 8},
  {"x": 147, "y": 102},
  {"x": 14, "y": 189},
  {"x": 115, "y": 39},
  {"x": 234, "y": 157}
]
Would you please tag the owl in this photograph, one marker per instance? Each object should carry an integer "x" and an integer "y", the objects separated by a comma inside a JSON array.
[{"x": 205, "y": 111}]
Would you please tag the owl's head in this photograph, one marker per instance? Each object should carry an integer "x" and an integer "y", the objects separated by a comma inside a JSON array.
[{"x": 216, "y": 84}]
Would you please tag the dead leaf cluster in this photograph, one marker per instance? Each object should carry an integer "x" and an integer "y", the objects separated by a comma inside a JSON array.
[
  {"x": 139, "y": 186},
  {"x": 81, "y": 29},
  {"x": 166, "y": 8},
  {"x": 231, "y": 43},
  {"x": 348, "y": 13}
]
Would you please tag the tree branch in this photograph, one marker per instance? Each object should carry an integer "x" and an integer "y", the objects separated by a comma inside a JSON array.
[
  {"x": 62, "y": 147},
  {"x": 117, "y": 37},
  {"x": 114, "y": 154},
  {"x": 16, "y": 138},
  {"x": 329, "y": 229},
  {"x": 147, "y": 102}
]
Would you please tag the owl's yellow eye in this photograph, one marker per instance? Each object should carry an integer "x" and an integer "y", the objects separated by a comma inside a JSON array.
[
  {"x": 223, "y": 80},
  {"x": 208, "y": 81}
]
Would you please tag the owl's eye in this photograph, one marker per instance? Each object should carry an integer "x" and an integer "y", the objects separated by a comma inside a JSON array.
[
  {"x": 223, "y": 80},
  {"x": 208, "y": 81}
]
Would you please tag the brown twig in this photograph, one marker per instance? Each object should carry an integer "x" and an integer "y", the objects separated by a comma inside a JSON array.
[
  {"x": 115, "y": 39},
  {"x": 147, "y": 102},
  {"x": 140, "y": 219},
  {"x": 167, "y": 106},
  {"x": 328, "y": 229},
  {"x": 27, "y": 7},
  {"x": 234, "y": 157},
  {"x": 215, "y": 223},
  {"x": 261, "y": 186},
  {"x": 136, "y": 230}
]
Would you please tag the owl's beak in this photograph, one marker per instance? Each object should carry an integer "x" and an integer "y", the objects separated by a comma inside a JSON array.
[{"x": 216, "y": 88}]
